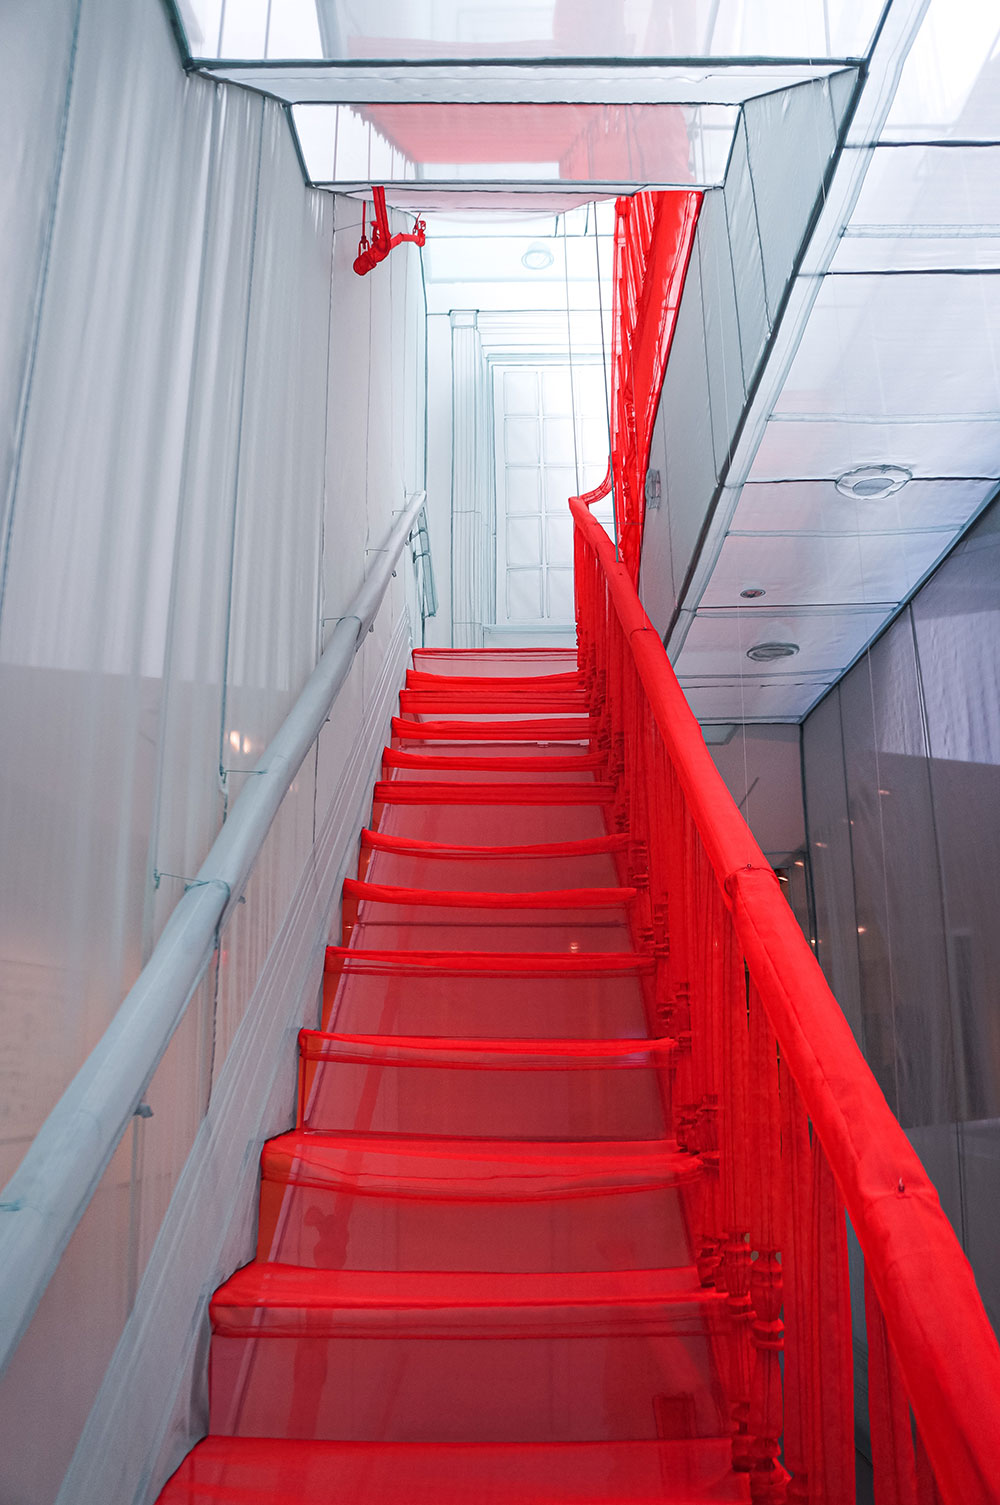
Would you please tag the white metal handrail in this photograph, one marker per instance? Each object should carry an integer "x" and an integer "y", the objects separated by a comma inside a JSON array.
[{"x": 49, "y": 1192}]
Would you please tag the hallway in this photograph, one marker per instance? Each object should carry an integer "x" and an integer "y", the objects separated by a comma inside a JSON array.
[{"x": 559, "y": 441}]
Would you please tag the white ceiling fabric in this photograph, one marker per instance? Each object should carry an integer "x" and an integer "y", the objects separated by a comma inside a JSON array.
[{"x": 898, "y": 364}]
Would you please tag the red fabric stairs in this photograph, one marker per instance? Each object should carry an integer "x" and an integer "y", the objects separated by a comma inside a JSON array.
[{"x": 474, "y": 1283}]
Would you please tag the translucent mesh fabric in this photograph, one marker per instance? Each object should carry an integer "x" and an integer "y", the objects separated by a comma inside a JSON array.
[
  {"x": 491, "y": 824},
  {"x": 490, "y": 746},
  {"x": 342, "y": 1201},
  {"x": 463, "y": 726},
  {"x": 228, "y": 1469},
  {"x": 431, "y": 927},
  {"x": 426, "y": 704},
  {"x": 490, "y": 663},
  {"x": 477, "y": 1231},
  {"x": 496, "y": 1088},
  {"x": 388, "y": 859},
  {"x": 471, "y": 685},
  {"x": 488, "y": 768},
  {"x": 577, "y": 1384},
  {"x": 535, "y": 997}
]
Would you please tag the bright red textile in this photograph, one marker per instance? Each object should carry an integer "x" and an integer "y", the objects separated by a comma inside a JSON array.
[
  {"x": 567, "y": 898},
  {"x": 539, "y": 996},
  {"x": 920, "y": 1278},
  {"x": 382, "y": 841},
  {"x": 579, "y": 763},
  {"x": 567, "y": 729},
  {"x": 410, "y": 792},
  {"x": 231, "y": 1470}
]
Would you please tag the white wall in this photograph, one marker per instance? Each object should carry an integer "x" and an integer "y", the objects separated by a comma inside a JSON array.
[{"x": 206, "y": 420}]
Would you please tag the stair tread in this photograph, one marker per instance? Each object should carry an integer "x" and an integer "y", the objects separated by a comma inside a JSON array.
[
  {"x": 513, "y": 962},
  {"x": 484, "y": 1051},
  {"x": 279, "y": 1472},
  {"x": 271, "y": 1284},
  {"x": 544, "y": 898},
  {"x": 460, "y": 1169}
]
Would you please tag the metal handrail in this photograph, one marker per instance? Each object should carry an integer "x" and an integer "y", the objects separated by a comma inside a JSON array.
[{"x": 49, "y": 1192}]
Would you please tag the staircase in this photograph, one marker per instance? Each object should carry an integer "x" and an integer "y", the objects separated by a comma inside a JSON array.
[{"x": 475, "y": 1281}]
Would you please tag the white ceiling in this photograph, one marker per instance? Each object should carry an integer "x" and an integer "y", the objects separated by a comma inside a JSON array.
[{"x": 896, "y": 362}]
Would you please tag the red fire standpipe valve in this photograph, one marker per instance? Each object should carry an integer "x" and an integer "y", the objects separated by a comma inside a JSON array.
[{"x": 371, "y": 252}]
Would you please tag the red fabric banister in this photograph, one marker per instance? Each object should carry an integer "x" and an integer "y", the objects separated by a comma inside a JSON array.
[
  {"x": 946, "y": 1349},
  {"x": 924, "y": 1282},
  {"x": 727, "y": 838}
]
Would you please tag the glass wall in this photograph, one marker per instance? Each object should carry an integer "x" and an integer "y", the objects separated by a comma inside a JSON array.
[{"x": 902, "y": 785}]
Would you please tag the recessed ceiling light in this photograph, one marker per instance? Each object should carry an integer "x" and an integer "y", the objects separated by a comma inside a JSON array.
[
  {"x": 537, "y": 257},
  {"x": 766, "y": 653},
  {"x": 752, "y": 592},
  {"x": 870, "y": 483}
]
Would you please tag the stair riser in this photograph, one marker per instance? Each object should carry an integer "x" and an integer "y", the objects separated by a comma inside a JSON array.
[
  {"x": 339, "y": 1230},
  {"x": 457, "y": 1390},
  {"x": 616, "y": 1103}
]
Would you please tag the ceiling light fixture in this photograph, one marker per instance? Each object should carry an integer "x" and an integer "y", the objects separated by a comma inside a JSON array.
[
  {"x": 870, "y": 483},
  {"x": 767, "y": 653},
  {"x": 537, "y": 257},
  {"x": 752, "y": 592}
]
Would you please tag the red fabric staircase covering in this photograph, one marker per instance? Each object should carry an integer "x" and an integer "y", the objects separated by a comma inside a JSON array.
[
  {"x": 235, "y": 1470},
  {"x": 475, "y": 1277}
]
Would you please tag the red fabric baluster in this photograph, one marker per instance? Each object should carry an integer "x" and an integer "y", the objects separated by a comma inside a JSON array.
[{"x": 888, "y": 1414}]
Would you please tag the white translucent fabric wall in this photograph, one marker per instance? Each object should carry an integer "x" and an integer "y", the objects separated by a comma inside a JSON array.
[
  {"x": 902, "y": 782},
  {"x": 748, "y": 237},
  {"x": 182, "y": 501}
]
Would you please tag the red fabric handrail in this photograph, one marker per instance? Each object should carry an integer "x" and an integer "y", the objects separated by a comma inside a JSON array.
[{"x": 946, "y": 1348}]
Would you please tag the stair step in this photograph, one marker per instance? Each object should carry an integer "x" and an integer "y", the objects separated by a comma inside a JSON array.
[
  {"x": 440, "y": 993},
  {"x": 359, "y": 1201},
  {"x": 417, "y": 679},
  {"x": 449, "y": 792},
  {"x": 384, "y": 841},
  {"x": 488, "y": 662},
  {"x": 414, "y": 1356},
  {"x": 492, "y": 825},
  {"x": 542, "y": 729},
  {"x": 581, "y": 763},
  {"x": 546, "y": 898},
  {"x": 265, "y": 1298},
  {"x": 504, "y": 1089},
  {"x": 482, "y": 703},
  {"x": 270, "y": 1471},
  {"x": 416, "y": 864}
]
